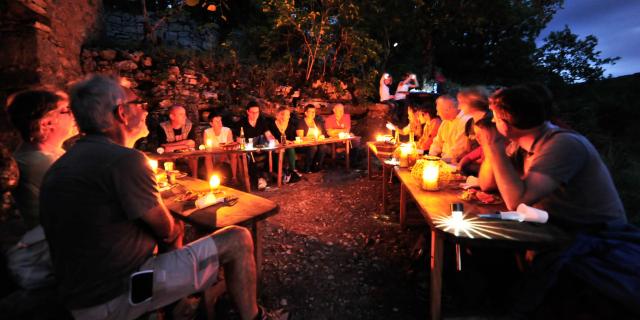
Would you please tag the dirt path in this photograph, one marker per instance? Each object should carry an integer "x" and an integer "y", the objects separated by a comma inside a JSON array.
[{"x": 329, "y": 255}]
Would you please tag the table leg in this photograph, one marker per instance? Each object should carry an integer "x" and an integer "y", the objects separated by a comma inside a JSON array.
[
  {"x": 193, "y": 165},
  {"x": 257, "y": 231},
  {"x": 346, "y": 154},
  {"x": 245, "y": 171},
  {"x": 369, "y": 162},
  {"x": 384, "y": 190},
  {"x": 280, "y": 162},
  {"x": 403, "y": 205},
  {"x": 270, "y": 162},
  {"x": 437, "y": 246},
  {"x": 208, "y": 164}
]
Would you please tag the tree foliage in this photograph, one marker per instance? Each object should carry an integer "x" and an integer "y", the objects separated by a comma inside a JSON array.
[{"x": 571, "y": 58}]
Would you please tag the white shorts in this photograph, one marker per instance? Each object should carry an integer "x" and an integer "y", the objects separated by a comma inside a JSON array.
[{"x": 176, "y": 274}]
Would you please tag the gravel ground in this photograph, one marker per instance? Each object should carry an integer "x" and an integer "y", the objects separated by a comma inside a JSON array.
[{"x": 330, "y": 255}]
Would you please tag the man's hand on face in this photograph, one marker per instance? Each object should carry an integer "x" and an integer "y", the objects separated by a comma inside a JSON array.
[{"x": 488, "y": 136}]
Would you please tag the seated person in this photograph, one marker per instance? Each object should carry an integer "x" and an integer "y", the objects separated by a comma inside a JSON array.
[
  {"x": 177, "y": 133},
  {"x": 214, "y": 137},
  {"x": 44, "y": 122},
  {"x": 474, "y": 102},
  {"x": 338, "y": 122},
  {"x": 561, "y": 172},
  {"x": 103, "y": 216},
  {"x": 283, "y": 128},
  {"x": 312, "y": 127},
  {"x": 431, "y": 122},
  {"x": 256, "y": 127},
  {"x": 451, "y": 143}
]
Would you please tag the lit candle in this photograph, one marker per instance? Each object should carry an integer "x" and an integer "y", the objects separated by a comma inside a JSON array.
[
  {"x": 214, "y": 183},
  {"x": 379, "y": 138},
  {"x": 154, "y": 165},
  {"x": 430, "y": 175},
  {"x": 201, "y": 147},
  {"x": 209, "y": 143},
  {"x": 168, "y": 166},
  {"x": 405, "y": 150}
]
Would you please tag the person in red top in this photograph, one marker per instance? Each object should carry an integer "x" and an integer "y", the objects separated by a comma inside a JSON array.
[{"x": 338, "y": 121}]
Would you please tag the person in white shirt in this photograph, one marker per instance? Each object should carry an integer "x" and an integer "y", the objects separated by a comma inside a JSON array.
[
  {"x": 385, "y": 82},
  {"x": 451, "y": 142},
  {"x": 409, "y": 81},
  {"x": 213, "y": 138}
]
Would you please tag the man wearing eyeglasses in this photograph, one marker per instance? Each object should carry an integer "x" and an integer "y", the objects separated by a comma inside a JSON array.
[{"x": 103, "y": 217}]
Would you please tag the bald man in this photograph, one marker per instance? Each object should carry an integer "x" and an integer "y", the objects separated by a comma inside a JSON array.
[{"x": 177, "y": 133}]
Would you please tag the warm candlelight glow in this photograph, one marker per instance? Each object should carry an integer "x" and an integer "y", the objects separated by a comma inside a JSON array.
[
  {"x": 201, "y": 147},
  {"x": 390, "y": 126},
  {"x": 379, "y": 138},
  {"x": 168, "y": 166},
  {"x": 430, "y": 175},
  {"x": 154, "y": 165},
  {"x": 405, "y": 150},
  {"x": 214, "y": 183},
  {"x": 343, "y": 135},
  {"x": 209, "y": 143}
]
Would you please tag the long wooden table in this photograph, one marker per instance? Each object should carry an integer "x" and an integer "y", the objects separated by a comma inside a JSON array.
[
  {"x": 192, "y": 158},
  {"x": 435, "y": 208},
  {"x": 372, "y": 151},
  {"x": 250, "y": 210},
  {"x": 310, "y": 143}
]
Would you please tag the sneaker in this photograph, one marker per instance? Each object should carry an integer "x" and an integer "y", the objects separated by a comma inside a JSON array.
[
  {"x": 262, "y": 184},
  {"x": 286, "y": 178},
  {"x": 278, "y": 314},
  {"x": 295, "y": 177}
]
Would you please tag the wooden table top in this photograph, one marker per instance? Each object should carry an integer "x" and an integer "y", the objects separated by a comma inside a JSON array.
[
  {"x": 249, "y": 208},
  {"x": 167, "y": 156},
  {"x": 435, "y": 206}
]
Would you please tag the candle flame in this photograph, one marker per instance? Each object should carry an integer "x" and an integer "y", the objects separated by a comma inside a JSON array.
[
  {"x": 214, "y": 182},
  {"x": 153, "y": 164},
  {"x": 390, "y": 126},
  {"x": 471, "y": 227}
]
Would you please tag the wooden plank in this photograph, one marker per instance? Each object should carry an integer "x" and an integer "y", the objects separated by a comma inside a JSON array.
[
  {"x": 248, "y": 208},
  {"x": 435, "y": 208},
  {"x": 435, "y": 274}
]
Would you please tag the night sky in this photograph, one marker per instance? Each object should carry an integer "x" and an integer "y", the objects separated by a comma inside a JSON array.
[{"x": 616, "y": 24}]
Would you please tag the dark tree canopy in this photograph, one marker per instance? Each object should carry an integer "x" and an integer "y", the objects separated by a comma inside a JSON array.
[{"x": 573, "y": 59}]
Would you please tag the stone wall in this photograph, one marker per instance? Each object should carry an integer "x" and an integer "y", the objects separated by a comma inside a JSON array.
[
  {"x": 41, "y": 42},
  {"x": 178, "y": 31}
]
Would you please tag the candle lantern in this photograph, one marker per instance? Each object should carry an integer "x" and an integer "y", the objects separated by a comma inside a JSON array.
[
  {"x": 431, "y": 174},
  {"x": 168, "y": 166},
  {"x": 457, "y": 211},
  {"x": 405, "y": 151},
  {"x": 209, "y": 144}
]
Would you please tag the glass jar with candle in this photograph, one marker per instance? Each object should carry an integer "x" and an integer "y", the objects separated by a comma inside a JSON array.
[{"x": 430, "y": 174}]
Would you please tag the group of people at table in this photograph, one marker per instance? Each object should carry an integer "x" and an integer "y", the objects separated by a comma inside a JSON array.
[
  {"x": 516, "y": 148},
  {"x": 97, "y": 209},
  {"x": 87, "y": 219},
  {"x": 178, "y": 133}
]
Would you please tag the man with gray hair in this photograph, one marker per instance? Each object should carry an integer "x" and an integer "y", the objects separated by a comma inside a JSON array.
[
  {"x": 103, "y": 217},
  {"x": 451, "y": 142}
]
